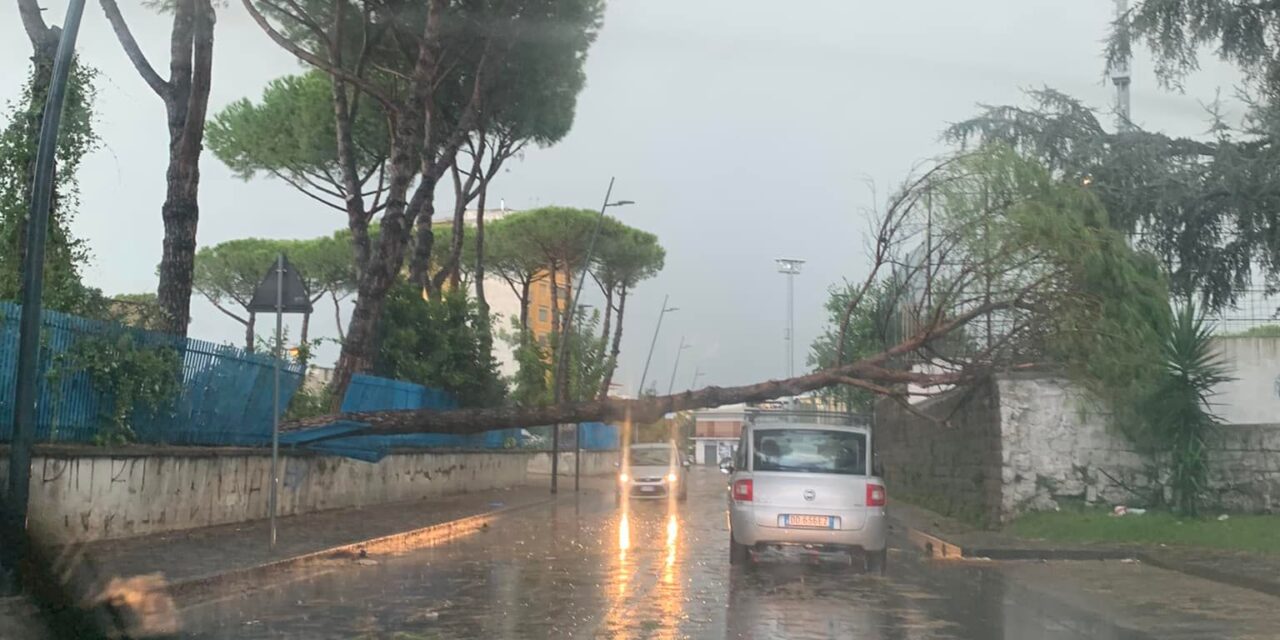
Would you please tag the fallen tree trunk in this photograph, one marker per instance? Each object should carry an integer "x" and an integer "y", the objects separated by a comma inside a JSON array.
[{"x": 867, "y": 373}]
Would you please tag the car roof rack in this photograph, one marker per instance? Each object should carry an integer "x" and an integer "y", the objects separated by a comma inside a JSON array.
[{"x": 755, "y": 415}]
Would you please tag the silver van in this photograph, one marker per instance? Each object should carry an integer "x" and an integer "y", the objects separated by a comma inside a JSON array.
[{"x": 807, "y": 488}]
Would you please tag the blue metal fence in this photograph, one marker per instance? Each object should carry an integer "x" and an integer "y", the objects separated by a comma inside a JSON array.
[
  {"x": 371, "y": 393},
  {"x": 597, "y": 436},
  {"x": 225, "y": 398}
]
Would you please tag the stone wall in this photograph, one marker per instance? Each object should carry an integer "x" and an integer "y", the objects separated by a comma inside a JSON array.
[
  {"x": 1023, "y": 442},
  {"x": 952, "y": 467},
  {"x": 1056, "y": 443},
  {"x": 83, "y": 493},
  {"x": 1244, "y": 467}
]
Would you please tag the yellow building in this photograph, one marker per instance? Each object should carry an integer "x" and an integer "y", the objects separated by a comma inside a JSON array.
[{"x": 540, "y": 303}]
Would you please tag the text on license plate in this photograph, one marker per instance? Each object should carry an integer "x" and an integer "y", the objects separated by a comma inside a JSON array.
[
  {"x": 807, "y": 521},
  {"x": 647, "y": 489}
]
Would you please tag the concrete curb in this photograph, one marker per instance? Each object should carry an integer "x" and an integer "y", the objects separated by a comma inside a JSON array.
[
  {"x": 246, "y": 579},
  {"x": 941, "y": 549}
]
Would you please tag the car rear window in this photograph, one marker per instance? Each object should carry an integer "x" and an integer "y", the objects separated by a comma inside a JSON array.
[
  {"x": 650, "y": 457},
  {"x": 809, "y": 451}
]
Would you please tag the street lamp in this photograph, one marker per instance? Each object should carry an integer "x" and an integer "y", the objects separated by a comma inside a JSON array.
[
  {"x": 645, "y": 374},
  {"x": 790, "y": 267},
  {"x": 682, "y": 347},
  {"x": 697, "y": 373},
  {"x": 562, "y": 366}
]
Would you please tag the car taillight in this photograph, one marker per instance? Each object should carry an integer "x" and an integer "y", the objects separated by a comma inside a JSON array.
[
  {"x": 875, "y": 495},
  {"x": 742, "y": 490}
]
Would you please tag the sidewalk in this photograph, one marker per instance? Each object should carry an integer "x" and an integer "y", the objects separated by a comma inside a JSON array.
[
  {"x": 200, "y": 562},
  {"x": 945, "y": 537}
]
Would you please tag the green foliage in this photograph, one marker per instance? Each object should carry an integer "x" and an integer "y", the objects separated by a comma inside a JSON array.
[
  {"x": 1180, "y": 407},
  {"x": 870, "y": 331},
  {"x": 1243, "y": 32},
  {"x": 438, "y": 343},
  {"x": 626, "y": 256},
  {"x": 65, "y": 255},
  {"x": 227, "y": 273},
  {"x": 1204, "y": 207},
  {"x": 290, "y": 133},
  {"x": 326, "y": 264},
  {"x": 587, "y": 360},
  {"x": 531, "y": 385},
  {"x": 309, "y": 403},
  {"x": 1097, "y": 525},
  {"x": 557, "y": 236},
  {"x": 1261, "y": 331},
  {"x": 132, "y": 377},
  {"x": 535, "y": 361},
  {"x": 140, "y": 310}
]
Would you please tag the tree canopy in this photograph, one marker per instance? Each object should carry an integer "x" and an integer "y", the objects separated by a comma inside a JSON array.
[
  {"x": 290, "y": 134},
  {"x": 227, "y": 273},
  {"x": 433, "y": 69},
  {"x": 1205, "y": 208}
]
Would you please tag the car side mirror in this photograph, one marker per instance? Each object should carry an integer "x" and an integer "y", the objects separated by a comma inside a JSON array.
[
  {"x": 726, "y": 468},
  {"x": 617, "y": 465},
  {"x": 686, "y": 464}
]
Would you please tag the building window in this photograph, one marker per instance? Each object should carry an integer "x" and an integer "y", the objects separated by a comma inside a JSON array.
[{"x": 542, "y": 314}]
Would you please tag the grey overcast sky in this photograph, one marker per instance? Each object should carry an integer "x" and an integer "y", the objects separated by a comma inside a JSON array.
[{"x": 746, "y": 130}]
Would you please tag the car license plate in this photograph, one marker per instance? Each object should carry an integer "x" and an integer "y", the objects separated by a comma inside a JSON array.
[
  {"x": 647, "y": 489},
  {"x": 808, "y": 522}
]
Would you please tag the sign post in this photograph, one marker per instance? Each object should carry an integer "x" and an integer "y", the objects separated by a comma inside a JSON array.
[{"x": 282, "y": 291}]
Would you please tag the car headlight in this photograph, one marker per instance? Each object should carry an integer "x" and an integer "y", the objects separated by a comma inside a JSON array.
[
  {"x": 622, "y": 477},
  {"x": 671, "y": 477}
]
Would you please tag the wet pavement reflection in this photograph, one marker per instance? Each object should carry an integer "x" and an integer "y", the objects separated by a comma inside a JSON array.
[{"x": 588, "y": 568}]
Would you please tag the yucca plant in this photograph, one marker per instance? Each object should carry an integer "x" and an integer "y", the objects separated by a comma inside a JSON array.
[{"x": 1181, "y": 408}]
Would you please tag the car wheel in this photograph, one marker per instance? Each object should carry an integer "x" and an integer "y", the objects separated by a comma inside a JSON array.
[
  {"x": 738, "y": 553},
  {"x": 876, "y": 561}
]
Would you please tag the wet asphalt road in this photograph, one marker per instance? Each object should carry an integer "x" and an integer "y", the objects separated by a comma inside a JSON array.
[{"x": 591, "y": 569}]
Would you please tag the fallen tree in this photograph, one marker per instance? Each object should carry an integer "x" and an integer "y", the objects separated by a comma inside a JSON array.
[{"x": 985, "y": 262}]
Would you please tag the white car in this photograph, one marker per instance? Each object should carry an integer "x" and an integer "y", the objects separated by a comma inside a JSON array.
[
  {"x": 653, "y": 470},
  {"x": 806, "y": 488}
]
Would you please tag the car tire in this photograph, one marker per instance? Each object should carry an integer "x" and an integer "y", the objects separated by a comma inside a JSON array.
[
  {"x": 738, "y": 553},
  {"x": 876, "y": 561}
]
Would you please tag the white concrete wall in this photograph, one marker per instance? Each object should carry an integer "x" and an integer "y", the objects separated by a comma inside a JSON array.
[
  {"x": 1055, "y": 443},
  {"x": 1254, "y": 396},
  {"x": 594, "y": 463},
  {"x": 90, "y": 494}
]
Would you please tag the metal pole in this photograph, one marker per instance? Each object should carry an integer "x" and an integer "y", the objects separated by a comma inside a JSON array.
[
  {"x": 24, "y": 407},
  {"x": 791, "y": 325},
  {"x": 562, "y": 365},
  {"x": 697, "y": 373},
  {"x": 635, "y": 433},
  {"x": 275, "y": 415},
  {"x": 577, "y": 456},
  {"x": 1121, "y": 78},
  {"x": 672, "y": 384},
  {"x": 649, "y": 358}
]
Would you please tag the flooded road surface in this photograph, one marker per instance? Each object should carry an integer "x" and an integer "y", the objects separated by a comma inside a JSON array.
[{"x": 591, "y": 569}]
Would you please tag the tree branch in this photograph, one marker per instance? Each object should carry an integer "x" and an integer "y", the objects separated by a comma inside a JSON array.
[
  {"x": 40, "y": 35},
  {"x": 131, "y": 49},
  {"x": 314, "y": 60}
]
